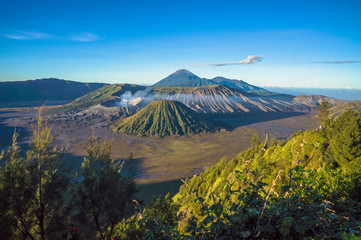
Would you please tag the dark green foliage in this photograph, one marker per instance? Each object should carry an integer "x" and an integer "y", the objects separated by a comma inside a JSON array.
[
  {"x": 161, "y": 213},
  {"x": 35, "y": 199},
  {"x": 345, "y": 141},
  {"x": 16, "y": 194},
  {"x": 163, "y": 118},
  {"x": 104, "y": 195},
  {"x": 35, "y": 188},
  {"x": 301, "y": 209},
  {"x": 163, "y": 208}
]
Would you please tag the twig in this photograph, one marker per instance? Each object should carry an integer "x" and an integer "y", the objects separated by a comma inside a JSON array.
[
  {"x": 140, "y": 210},
  {"x": 266, "y": 200}
]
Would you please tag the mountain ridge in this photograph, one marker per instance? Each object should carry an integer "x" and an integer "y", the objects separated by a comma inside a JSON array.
[
  {"x": 202, "y": 99},
  {"x": 183, "y": 77},
  {"x": 44, "y": 89}
]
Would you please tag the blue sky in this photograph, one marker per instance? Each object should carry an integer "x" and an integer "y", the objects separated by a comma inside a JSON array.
[{"x": 302, "y": 43}]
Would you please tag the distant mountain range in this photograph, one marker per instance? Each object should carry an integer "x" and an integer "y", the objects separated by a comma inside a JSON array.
[
  {"x": 176, "y": 105},
  {"x": 185, "y": 78},
  {"x": 173, "y": 106},
  {"x": 44, "y": 89},
  {"x": 219, "y": 99}
]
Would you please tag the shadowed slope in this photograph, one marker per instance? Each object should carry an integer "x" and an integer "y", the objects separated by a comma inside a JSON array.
[
  {"x": 314, "y": 100},
  {"x": 44, "y": 89}
]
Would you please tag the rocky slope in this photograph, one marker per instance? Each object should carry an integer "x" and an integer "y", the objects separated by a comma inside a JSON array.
[{"x": 223, "y": 99}]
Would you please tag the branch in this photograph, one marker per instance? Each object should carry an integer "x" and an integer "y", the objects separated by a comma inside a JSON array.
[{"x": 266, "y": 200}]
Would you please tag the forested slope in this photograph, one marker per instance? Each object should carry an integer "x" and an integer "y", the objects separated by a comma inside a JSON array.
[{"x": 308, "y": 187}]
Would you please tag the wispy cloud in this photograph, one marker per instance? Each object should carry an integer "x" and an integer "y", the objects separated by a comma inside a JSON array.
[
  {"x": 340, "y": 62},
  {"x": 248, "y": 60},
  {"x": 85, "y": 37},
  {"x": 24, "y": 35},
  {"x": 33, "y": 35}
]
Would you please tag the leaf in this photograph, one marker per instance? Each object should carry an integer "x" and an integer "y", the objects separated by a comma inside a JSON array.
[
  {"x": 288, "y": 221},
  {"x": 284, "y": 231},
  {"x": 268, "y": 228},
  {"x": 300, "y": 229}
]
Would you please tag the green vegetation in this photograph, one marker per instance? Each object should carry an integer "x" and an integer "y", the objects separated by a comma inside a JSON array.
[
  {"x": 33, "y": 189},
  {"x": 323, "y": 204},
  {"x": 323, "y": 111},
  {"x": 40, "y": 199},
  {"x": 98, "y": 96},
  {"x": 103, "y": 196},
  {"x": 306, "y": 188},
  {"x": 163, "y": 118}
]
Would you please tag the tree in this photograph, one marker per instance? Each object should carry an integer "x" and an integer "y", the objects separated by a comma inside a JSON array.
[
  {"x": 104, "y": 195},
  {"x": 34, "y": 187},
  {"x": 16, "y": 194},
  {"x": 345, "y": 141},
  {"x": 255, "y": 140},
  {"x": 323, "y": 111},
  {"x": 51, "y": 179}
]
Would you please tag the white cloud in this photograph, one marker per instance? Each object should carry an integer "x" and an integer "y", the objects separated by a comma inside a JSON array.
[
  {"x": 248, "y": 60},
  {"x": 33, "y": 35},
  {"x": 85, "y": 37},
  {"x": 340, "y": 62},
  {"x": 24, "y": 35}
]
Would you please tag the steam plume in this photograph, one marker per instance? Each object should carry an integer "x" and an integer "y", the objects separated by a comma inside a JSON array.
[{"x": 129, "y": 99}]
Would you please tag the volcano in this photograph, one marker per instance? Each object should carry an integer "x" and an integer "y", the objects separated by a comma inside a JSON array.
[
  {"x": 185, "y": 78},
  {"x": 163, "y": 118}
]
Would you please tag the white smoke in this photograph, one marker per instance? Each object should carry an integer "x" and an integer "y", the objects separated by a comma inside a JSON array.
[{"x": 128, "y": 99}]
